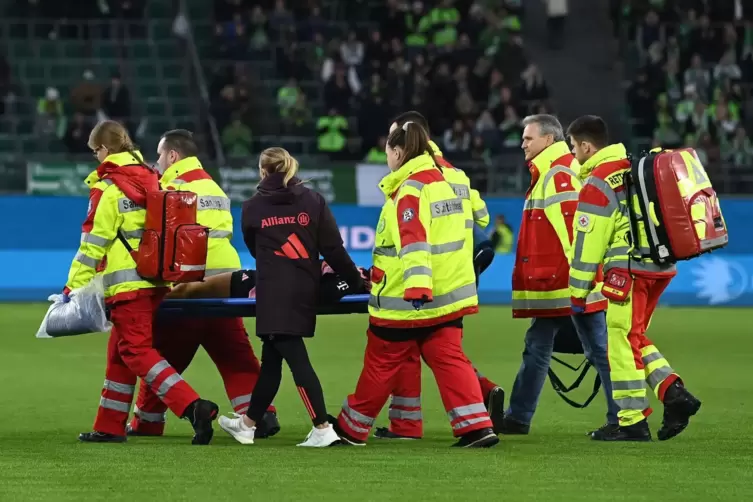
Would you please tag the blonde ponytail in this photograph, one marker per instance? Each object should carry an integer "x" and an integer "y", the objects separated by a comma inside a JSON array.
[{"x": 278, "y": 160}]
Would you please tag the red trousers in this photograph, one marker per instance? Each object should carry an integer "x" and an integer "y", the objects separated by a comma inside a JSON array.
[
  {"x": 178, "y": 340},
  {"x": 405, "y": 407},
  {"x": 130, "y": 355},
  {"x": 442, "y": 351}
]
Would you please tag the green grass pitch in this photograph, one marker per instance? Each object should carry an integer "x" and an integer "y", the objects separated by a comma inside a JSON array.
[{"x": 50, "y": 390}]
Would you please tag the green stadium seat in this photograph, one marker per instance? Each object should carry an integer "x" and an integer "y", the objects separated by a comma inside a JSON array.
[
  {"x": 146, "y": 90},
  {"x": 168, "y": 50},
  {"x": 182, "y": 107},
  {"x": 21, "y": 50},
  {"x": 156, "y": 107},
  {"x": 177, "y": 91},
  {"x": 140, "y": 50},
  {"x": 105, "y": 50},
  {"x": 49, "y": 50}
]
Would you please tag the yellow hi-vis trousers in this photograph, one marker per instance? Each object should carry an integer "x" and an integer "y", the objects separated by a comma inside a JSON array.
[{"x": 634, "y": 361}]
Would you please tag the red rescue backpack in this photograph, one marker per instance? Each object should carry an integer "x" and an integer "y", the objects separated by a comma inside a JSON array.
[
  {"x": 173, "y": 247},
  {"x": 678, "y": 206}
]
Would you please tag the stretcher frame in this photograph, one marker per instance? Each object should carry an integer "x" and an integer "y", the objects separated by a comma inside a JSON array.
[{"x": 246, "y": 307}]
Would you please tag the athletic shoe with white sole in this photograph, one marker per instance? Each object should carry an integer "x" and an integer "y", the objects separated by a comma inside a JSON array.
[
  {"x": 321, "y": 438},
  {"x": 236, "y": 428}
]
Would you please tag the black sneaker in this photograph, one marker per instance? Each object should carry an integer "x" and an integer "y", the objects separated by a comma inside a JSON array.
[
  {"x": 635, "y": 432},
  {"x": 130, "y": 431},
  {"x": 345, "y": 439},
  {"x": 495, "y": 405},
  {"x": 679, "y": 406},
  {"x": 386, "y": 433},
  {"x": 201, "y": 413},
  {"x": 100, "y": 437},
  {"x": 268, "y": 427},
  {"x": 512, "y": 427},
  {"x": 482, "y": 438}
]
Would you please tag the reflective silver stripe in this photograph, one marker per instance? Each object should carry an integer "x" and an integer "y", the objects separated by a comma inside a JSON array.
[
  {"x": 584, "y": 267},
  {"x": 481, "y": 213},
  {"x": 469, "y": 223},
  {"x": 240, "y": 400},
  {"x": 155, "y": 371},
  {"x": 112, "y": 404},
  {"x": 604, "y": 188},
  {"x": 638, "y": 266},
  {"x": 359, "y": 417},
  {"x": 464, "y": 411},
  {"x": 416, "y": 246},
  {"x": 579, "y": 283},
  {"x": 385, "y": 251},
  {"x": 177, "y": 182},
  {"x": 353, "y": 426},
  {"x": 413, "y": 183},
  {"x": 217, "y": 271},
  {"x": 418, "y": 270},
  {"x": 394, "y": 303},
  {"x": 540, "y": 303},
  {"x": 155, "y": 418},
  {"x": 396, "y": 414},
  {"x": 658, "y": 376},
  {"x": 446, "y": 207},
  {"x": 121, "y": 277},
  {"x": 220, "y": 234},
  {"x": 191, "y": 268},
  {"x": 617, "y": 251},
  {"x": 649, "y": 358},
  {"x": 413, "y": 402},
  {"x": 168, "y": 384},
  {"x": 533, "y": 204},
  {"x": 86, "y": 260},
  {"x": 447, "y": 247},
  {"x": 577, "y": 264},
  {"x": 559, "y": 168},
  {"x": 560, "y": 197},
  {"x": 632, "y": 403},
  {"x": 206, "y": 202},
  {"x": 595, "y": 210},
  {"x": 119, "y": 387},
  {"x": 628, "y": 385},
  {"x": 126, "y": 205},
  {"x": 133, "y": 234},
  {"x": 595, "y": 296},
  {"x": 107, "y": 182},
  {"x": 87, "y": 238},
  {"x": 465, "y": 423},
  {"x": 461, "y": 191}
]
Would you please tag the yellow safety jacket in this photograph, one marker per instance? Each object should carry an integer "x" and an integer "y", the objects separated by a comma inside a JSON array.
[
  {"x": 540, "y": 275},
  {"x": 213, "y": 212},
  {"x": 421, "y": 251},
  {"x": 602, "y": 225},
  {"x": 506, "y": 239},
  {"x": 473, "y": 204},
  {"x": 110, "y": 211}
]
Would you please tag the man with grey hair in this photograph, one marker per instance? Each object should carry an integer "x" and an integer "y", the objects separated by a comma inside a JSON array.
[{"x": 541, "y": 273}]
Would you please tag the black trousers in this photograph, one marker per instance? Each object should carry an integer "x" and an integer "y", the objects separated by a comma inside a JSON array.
[{"x": 292, "y": 350}]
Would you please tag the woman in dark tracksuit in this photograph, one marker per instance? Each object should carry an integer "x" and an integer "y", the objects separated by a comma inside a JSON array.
[{"x": 286, "y": 226}]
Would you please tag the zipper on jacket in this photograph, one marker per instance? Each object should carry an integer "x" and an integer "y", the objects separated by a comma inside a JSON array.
[{"x": 379, "y": 294}]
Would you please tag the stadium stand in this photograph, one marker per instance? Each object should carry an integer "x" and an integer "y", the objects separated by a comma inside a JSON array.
[{"x": 689, "y": 80}]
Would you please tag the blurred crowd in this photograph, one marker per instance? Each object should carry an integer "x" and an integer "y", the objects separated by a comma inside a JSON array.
[
  {"x": 693, "y": 87},
  {"x": 461, "y": 63}
]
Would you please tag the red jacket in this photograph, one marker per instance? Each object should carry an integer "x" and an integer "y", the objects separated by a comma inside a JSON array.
[{"x": 542, "y": 267}]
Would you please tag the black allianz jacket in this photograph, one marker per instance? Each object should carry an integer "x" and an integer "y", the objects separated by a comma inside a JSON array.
[{"x": 286, "y": 229}]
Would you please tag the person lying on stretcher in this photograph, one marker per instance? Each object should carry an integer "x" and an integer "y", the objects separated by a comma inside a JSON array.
[{"x": 242, "y": 284}]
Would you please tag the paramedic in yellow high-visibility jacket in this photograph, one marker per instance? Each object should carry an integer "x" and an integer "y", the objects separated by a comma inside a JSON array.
[
  {"x": 406, "y": 420},
  {"x": 632, "y": 285}
]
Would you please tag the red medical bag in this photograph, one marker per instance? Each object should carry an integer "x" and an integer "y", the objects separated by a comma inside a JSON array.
[{"x": 679, "y": 208}]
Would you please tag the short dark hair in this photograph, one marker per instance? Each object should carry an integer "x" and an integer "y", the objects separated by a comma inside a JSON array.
[
  {"x": 411, "y": 116},
  {"x": 181, "y": 140},
  {"x": 590, "y": 128}
]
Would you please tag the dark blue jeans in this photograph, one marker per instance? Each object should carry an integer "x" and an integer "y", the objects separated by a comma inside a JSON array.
[{"x": 592, "y": 331}]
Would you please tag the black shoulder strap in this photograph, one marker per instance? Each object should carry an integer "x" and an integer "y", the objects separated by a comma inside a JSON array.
[
  {"x": 561, "y": 389},
  {"x": 122, "y": 239}
]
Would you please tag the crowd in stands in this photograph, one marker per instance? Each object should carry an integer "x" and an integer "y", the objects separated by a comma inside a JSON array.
[
  {"x": 461, "y": 63},
  {"x": 693, "y": 86},
  {"x": 63, "y": 120}
]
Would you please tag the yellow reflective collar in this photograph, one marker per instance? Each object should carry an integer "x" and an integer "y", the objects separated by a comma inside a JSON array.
[
  {"x": 180, "y": 168},
  {"x": 92, "y": 179},
  {"x": 392, "y": 181},
  {"x": 543, "y": 161},
  {"x": 435, "y": 149},
  {"x": 125, "y": 158},
  {"x": 611, "y": 153}
]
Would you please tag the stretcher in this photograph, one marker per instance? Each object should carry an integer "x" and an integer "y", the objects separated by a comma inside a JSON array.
[{"x": 246, "y": 307}]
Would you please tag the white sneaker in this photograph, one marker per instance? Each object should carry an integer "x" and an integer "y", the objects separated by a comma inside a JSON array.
[
  {"x": 236, "y": 428},
  {"x": 321, "y": 438}
]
